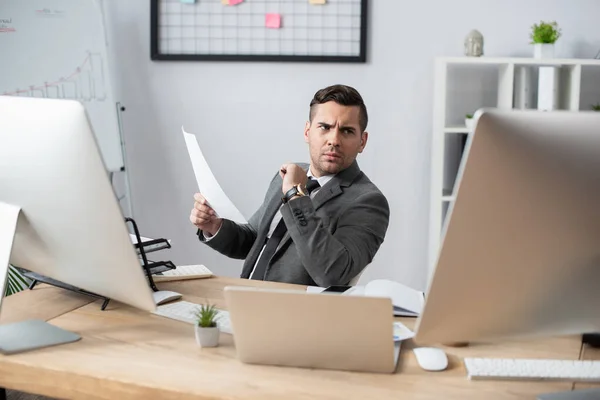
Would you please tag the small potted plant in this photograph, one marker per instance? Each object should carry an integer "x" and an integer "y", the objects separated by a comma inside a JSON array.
[
  {"x": 596, "y": 107},
  {"x": 469, "y": 122},
  {"x": 206, "y": 329},
  {"x": 543, "y": 37}
]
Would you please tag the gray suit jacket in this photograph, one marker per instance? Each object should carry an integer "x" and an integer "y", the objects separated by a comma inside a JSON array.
[{"x": 330, "y": 239}]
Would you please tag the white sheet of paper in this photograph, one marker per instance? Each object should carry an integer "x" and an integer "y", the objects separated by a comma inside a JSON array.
[
  {"x": 401, "y": 332},
  {"x": 144, "y": 239},
  {"x": 401, "y": 295},
  {"x": 207, "y": 183}
]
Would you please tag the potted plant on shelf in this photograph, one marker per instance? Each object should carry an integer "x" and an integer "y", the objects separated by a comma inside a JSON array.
[
  {"x": 206, "y": 329},
  {"x": 543, "y": 37},
  {"x": 469, "y": 122},
  {"x": 596, "y": 107}
]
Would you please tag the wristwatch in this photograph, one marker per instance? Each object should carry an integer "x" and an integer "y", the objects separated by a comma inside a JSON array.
[{"x": 296, "y": 190}]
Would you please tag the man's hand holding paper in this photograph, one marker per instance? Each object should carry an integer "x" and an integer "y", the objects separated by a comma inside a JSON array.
[
  {"x": 212, "y": 202},
  {"x": 204, "y": 217}
]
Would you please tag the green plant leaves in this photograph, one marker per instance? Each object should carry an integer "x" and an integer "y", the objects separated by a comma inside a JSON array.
[
  {"x": 15, "y": 282},
  {"x": 545, "y": 32},
  {"x": 205, "y": 316}
]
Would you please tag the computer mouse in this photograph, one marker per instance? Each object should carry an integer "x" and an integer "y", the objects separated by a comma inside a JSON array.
[
  {"x": 431, "y": 358},
  {"x": 165, "y": 296}
]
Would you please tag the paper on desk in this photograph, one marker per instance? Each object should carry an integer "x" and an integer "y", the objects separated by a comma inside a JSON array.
[
  {"x": 144, "y": 239},
  {"x": 207, "y": 183},
  {"x": 401, "y": 332}
]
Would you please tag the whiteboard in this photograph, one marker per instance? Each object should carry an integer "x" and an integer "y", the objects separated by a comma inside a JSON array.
[{"x": 58, "y": 49}]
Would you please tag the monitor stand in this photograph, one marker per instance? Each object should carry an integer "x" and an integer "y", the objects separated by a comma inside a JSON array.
[
  {"x": 26, "y": 335},
  {"x": 591, "y": 339}
]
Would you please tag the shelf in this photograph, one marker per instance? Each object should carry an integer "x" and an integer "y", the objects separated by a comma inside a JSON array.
[
  {"x": 456, "y": 129},
  {"x": 463, "y": 85},
  {"x": 447, "y": 195},
  {"x": 521, "y": 61}
]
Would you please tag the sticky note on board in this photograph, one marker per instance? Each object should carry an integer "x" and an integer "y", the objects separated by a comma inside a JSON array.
[
  {"x": 316, "y": 1},
  {"x": 231, "y": 2},
  {"x": 273, "y": 21}
]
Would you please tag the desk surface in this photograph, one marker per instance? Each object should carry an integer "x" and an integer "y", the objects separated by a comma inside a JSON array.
[
  {"x": 130, "y": 354},
  {"x": 589, "y": 353}
]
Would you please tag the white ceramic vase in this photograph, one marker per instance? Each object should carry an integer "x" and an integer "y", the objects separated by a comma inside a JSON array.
[
  {"x": 207, "y": 337},
  {"x": 469, "y": 122},
  {"x": 543, "y": 50}
]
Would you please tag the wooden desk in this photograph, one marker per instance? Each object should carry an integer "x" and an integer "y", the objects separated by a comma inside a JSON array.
[
  {"x": 589, "y": 353},
  {"x": 129, "y": 354}
]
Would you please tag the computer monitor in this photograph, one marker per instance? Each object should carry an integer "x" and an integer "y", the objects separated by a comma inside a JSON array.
[
  {"x": 59, "y": 216},
  {"x": 520, "y": 250}
]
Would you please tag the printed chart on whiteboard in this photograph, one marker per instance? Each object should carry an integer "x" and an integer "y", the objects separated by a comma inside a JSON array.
[
  {"x": 271, "y": 30},
  {"x": 56, "y": 49}
]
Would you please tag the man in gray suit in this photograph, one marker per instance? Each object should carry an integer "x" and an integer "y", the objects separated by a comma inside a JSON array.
[{"x": 307, "y": 233}]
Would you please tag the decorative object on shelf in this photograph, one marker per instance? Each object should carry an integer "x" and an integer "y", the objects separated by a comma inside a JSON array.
[
  {"x": 596, "y": 107},
  {"x": 548, "y": 88},
  {"x": 523, "y": 92},
  {"x": 543, "y": 37},
  {"x": 469, "y": 122},
  {"x": 474, "y": 44},
  {"x": 205, "y": 328}
]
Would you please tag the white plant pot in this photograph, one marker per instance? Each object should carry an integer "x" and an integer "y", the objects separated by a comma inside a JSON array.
[
  {"x": 469, "y": 122},
  {"x": 543, "y": 50},
  {"x": 207, "y": 337}
]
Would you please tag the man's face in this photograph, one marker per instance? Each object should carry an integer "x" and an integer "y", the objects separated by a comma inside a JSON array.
[{"x": 334, "y": 138}]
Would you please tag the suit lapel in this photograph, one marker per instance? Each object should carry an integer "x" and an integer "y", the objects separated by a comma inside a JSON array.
[
  {"x": 333, "y": 188},
  {"x": 329, "y": 191}
]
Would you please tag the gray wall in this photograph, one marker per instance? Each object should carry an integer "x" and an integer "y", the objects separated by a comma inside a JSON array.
[{"x": 249, "y": 117}]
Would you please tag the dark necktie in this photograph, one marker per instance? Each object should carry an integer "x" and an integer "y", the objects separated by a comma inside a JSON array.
[{"x": 273, "y": 242}]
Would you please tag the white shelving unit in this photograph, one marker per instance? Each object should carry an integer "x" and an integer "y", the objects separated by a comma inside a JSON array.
[{"x": 465, "y": 84}]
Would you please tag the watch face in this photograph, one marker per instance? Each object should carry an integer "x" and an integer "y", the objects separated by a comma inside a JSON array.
[{"x": 301, "y": 190}]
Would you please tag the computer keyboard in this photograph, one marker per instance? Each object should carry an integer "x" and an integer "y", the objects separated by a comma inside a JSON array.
[
  {"x": 185, "y": 311},
  {"x": 182, "y": 272},
  {"x": 532, "y": 369}
]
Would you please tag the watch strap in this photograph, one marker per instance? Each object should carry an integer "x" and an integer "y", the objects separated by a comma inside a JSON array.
[{"x": 294, "y": 191}]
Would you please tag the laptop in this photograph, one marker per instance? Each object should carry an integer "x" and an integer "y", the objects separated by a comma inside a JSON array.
[{"x": 312, "y": 330}]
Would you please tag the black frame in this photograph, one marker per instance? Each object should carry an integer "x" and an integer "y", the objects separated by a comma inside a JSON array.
[{"x": 155, "y": 55}]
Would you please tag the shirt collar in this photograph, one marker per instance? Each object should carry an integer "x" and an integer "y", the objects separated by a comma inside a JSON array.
[{"x": 322, "y": 180}]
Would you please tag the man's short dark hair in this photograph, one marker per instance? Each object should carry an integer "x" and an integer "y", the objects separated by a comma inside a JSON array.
[{"x": 342, "y": 95}]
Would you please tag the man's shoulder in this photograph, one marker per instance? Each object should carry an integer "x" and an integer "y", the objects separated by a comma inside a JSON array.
[{"x": 362, "y": 185}]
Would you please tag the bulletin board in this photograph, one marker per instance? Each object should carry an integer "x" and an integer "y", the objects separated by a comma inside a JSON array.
[{"x": 259, "y": 30}]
